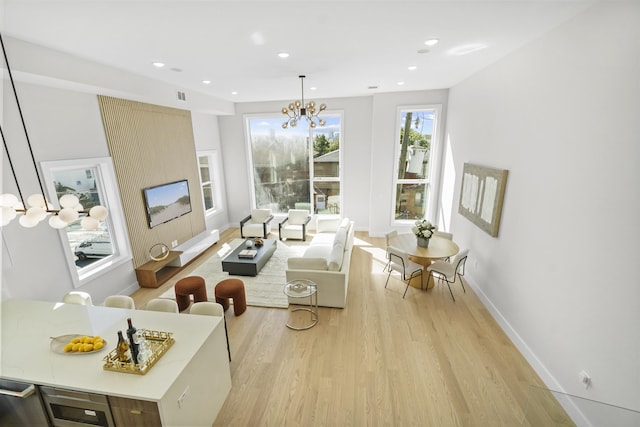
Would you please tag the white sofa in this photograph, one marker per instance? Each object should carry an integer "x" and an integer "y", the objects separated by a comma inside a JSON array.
[{"x": 326, "y": 261}]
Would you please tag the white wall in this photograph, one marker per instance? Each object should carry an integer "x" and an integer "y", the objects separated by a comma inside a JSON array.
[
  {"x": 356, "y": 154},
  {"x": 207, "y": 137},
  {"x": 61, "y": 125},
  {"x": 369, "y": 126},
  {"x": 561, "y": 115},
  {"x": 384, "y": 123}
]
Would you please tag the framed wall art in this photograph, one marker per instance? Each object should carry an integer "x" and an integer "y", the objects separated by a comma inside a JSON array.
[{"x": 481, "y": 196}]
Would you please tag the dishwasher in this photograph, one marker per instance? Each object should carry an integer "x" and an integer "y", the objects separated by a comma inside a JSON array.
[{"x": 20, "y": 405}]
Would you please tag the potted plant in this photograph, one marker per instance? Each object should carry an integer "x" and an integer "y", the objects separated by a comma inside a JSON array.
[{"x": 423, "y": 230}]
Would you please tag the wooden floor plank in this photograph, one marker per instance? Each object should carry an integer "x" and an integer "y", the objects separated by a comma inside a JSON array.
[{"x": 422, "y": 360}]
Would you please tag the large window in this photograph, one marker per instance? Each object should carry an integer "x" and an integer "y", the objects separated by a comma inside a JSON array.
[
  {"x": 414, "y": 163},
  {"x": 295, "y": 168},
  {"x": 93, "y": 182},
  {"x": 208, "y": 165}
]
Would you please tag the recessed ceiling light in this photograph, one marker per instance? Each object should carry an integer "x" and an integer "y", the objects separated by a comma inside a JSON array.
[
  {"x": 423, "y": 50},
  {"x": 313, "y": 88},
  {"x": 431, "y": 42},
  {"x": 177, "y": 70},
  {"x": 158, "y": 64},
  {"x": 372, "y": 87},
  {"x": 412, "y": 68},
  {"x": 466, "y": 49},
  {"x": 283, "y": 55},
  {"x": 206, "y": 82},
  {"x": 234, "y": 93},
  {"x": 400, "y": 83}
]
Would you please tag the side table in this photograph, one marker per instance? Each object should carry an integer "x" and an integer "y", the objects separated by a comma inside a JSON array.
[{"x": 302, "y": 288}]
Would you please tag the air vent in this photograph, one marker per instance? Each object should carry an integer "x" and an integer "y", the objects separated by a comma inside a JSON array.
[{"x": 182, "y": 96}]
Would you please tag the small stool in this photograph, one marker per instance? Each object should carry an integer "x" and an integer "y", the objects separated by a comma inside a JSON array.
[
  {"x": 191, "y": 285},
  {"x": 231, "y": 288}
]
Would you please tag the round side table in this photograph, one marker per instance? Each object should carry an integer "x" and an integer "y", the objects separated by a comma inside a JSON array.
[{"x": 302, "y": 288}]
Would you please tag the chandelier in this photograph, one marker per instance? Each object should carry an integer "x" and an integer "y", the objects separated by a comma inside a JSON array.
[
  {"x": 36, "y": 208},
  {"x": 297, "y": 110}
]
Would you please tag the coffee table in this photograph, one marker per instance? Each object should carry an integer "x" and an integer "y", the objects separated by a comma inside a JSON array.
[{"x": 237, "y": 266}]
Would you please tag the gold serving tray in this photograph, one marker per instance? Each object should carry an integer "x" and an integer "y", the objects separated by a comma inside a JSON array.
[{"x": 160, "y": 342}]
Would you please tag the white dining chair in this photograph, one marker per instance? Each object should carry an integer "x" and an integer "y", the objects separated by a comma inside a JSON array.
[
  {"x": 449, "y": 270},
  {"x": 77, "y": 297},
  {"x": 399, "y": 261},
  {"x": 162, "y": 304},
  {"x": 443, "y": 234},
  {"x": 388, "y": 236},
  {"x": 209, "y": 308},
  {"x": 120, "y": 301}
]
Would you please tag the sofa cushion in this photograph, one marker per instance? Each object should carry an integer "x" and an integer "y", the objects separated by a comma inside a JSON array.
[
  {"x": 345, "y": 223},
  {"x": 307, "y": 263},
  {"x": 318, "y": 251},
  {"x": 334, "y": 262},
  {"x": 323, "y": 239},
  {"x": 327, "y": 225},
  {"x": 341, "y": 237}
]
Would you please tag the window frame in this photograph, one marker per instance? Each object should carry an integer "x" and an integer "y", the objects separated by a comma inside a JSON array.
[
  {"x": 429, "y": 181},
  {"x": 107, "y": 186},
  {"x": 309, "y": 146},
  {"x": 312, "y": 178},
  {"x": 214, "y": 176}
]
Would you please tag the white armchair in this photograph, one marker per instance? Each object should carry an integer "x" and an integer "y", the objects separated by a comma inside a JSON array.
[
  {"x": 258, "y": 224},
  {"x": 294, "y": 225}
]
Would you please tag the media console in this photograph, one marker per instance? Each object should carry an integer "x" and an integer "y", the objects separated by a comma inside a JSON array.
[
  {"x": 154, "y": 273},
  {"x": 194, "y": 247}
]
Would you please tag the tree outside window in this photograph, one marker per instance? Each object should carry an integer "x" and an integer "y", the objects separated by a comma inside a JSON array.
[
  {"x": 414, "y": 155},
  {"x": 289, "y": 172}
]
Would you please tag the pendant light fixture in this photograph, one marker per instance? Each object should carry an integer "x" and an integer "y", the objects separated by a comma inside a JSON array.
[
  {"x": 36, "y": 208},
  {"x": 298, "y": 109}
]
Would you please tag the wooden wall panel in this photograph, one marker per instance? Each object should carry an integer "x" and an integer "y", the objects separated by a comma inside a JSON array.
[{"x": 152, "y": 145}]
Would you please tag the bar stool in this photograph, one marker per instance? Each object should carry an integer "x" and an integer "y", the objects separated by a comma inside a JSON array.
[
  {"x": 231, "y": 288},
  {"x": 187, "y": 286}
]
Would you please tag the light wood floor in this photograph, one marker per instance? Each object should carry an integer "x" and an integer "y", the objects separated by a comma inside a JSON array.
[{"x": 383, "y": 360}]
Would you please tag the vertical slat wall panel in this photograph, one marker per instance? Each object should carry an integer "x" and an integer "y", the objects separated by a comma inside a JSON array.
[{"x": 152, "y": 145}]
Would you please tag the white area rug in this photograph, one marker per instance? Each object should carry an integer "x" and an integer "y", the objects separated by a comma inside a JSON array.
[{"x": 263, "y": 290}]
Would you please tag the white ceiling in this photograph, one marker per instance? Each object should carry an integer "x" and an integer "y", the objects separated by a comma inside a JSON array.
[{"x": 343, "y": 47}]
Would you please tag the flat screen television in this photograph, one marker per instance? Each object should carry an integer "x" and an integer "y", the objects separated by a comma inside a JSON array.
[{"x": 167, "y": 202}]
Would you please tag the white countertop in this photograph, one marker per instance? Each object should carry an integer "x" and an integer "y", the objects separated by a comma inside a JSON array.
[{"x": 26, "y": 354}]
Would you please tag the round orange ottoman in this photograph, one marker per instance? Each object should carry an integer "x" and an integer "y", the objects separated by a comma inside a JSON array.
[
  {"x": 190, "y": 285},
  {"x": 234, "y": 289}
]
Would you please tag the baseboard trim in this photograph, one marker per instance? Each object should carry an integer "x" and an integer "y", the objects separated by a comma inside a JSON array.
[{"x": 549, "y": 380}]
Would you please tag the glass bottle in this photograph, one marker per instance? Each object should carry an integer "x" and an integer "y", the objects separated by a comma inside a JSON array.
[
  {"x": 122, "y": 349},
  {"x": 133, "y": 341}
]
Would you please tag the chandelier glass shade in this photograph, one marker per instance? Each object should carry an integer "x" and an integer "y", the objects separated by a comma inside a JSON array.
[
  {"x": 36, "y": 208},
  {"x": 298, "y": 109}
]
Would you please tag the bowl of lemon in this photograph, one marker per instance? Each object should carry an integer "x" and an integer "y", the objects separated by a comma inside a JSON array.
[{"x": 77, "y": 344}]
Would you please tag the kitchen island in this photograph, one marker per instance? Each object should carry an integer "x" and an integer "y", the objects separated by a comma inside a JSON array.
[{"x": 188, "y": 384}]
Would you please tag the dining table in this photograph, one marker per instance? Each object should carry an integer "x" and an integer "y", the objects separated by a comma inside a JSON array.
[{"x": 439, "y": 248}]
